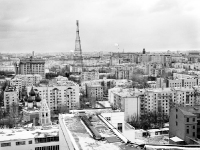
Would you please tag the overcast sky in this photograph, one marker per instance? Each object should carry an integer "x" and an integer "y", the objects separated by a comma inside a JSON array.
[{"x": 50, "y": 25}]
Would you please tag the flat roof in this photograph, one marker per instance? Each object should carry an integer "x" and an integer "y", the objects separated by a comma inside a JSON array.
[
  {"x": 83, "y": 139},
  {"x": 28, "y": 133}
]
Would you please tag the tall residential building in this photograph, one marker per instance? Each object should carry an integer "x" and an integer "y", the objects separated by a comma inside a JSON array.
[
  {"x": 32, "y": 66},
  {"x": 184, "y": 124},
  {"x": 11, "y": 97},
  {"x": 60, "y": 95}
]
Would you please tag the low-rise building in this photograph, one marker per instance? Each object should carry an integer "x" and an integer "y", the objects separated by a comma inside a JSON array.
[{"x": 34, "y": 138}]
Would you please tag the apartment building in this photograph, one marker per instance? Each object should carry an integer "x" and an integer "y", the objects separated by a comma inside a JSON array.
[
  {"x": 32, "y": 66},
  {"x": 105, "y": 83},
  {"x": 184, "y": 124},
  {"x": 17, "y": 83},
  {"x": 94, "y": 91},
  {"x": 88, "y": 76},
  {"x": 25, "y": 80},
  {"x": 11, "y": 96},
  {"x": 134, "y": 101},
  {"x": 29, "y": 79},
  {"x": 59, "y": 95},
  {"x": 129, "y": 101},
  {"x": 182, "y": 83}
]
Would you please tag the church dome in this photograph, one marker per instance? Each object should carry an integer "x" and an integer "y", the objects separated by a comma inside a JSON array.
[
  {"x": 32, "y": 92},
  {"x": 26, "y": 98},
  {"x": 37, "y": 98},
  {"x": 30, "y": 100}
]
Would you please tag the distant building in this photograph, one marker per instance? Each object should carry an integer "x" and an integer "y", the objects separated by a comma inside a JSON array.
[
  {"x": 88, "y": 76},
  {"x": 11, "y": 97},
  {"x": 60, "y": 95},
  {"x": 32, "y": 66},
  {"x": 94, "y": 91}
]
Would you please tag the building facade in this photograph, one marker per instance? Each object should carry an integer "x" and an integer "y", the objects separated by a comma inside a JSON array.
[{"x": 32, "y": 66}]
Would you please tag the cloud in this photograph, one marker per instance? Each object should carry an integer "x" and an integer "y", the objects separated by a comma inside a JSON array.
[{"x": 49, "y": 25}]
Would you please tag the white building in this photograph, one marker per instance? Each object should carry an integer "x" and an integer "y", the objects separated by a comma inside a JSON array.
[
  {"x": 74, "y": 134},
  {"x": 17, "y": 83},
  {"x": 35, "y": 138},
  {"x": 29, "y": 79},
  {"x": 7, "y": 68},
  {"x": 136, "y": 102},
  {"x": 60, "y": 95},
  {"x": 44, "y": 114}
]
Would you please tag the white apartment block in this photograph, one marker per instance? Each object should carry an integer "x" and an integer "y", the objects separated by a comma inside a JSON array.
[
  {"x": 182, "y": 76},
  {"x": 88, "y": 76},
  {"x": 17, "y": 83},
  {"x": 134, "y": 102},
  {"x": 29, "y": 79},
  {"x": 58, "y": 96},
  {"x": 183, "y": 83},
  {"x": 11, "y": 96},
  {"x": 7, "y": 68},
  {"x": 25, "y": 80}
]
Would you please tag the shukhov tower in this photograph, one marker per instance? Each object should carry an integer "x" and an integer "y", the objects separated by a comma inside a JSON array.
[{"x": 78, "y": 59}]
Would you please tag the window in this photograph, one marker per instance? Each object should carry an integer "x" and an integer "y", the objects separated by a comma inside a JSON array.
[
  {"x": 194, "y": 134},
  {"x": 187, "y": 119},
  {"x": 119, "y": 126},
  {"x": 176, "y": 116},
  {"x": 187, "y": 131},
  {"x": 20, "y": 143},
  {"x": 29, "y": 142},
  {"x": 193, "y": 119},
  {"x": 193, "y": 127},
  {"x": 108, "y": 118},
  {"x": 176, "y": 123},
  {"x": 5, "y": 144}
]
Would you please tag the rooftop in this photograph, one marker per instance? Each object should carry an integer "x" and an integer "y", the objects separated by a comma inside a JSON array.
[
  {"x": 28, "y": 133},
  {"x": 83, "y": 139},
  {"x": 190, "y": 110}
]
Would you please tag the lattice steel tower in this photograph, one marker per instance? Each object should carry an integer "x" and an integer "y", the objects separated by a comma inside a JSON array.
[{"x": 78, "y": 58}]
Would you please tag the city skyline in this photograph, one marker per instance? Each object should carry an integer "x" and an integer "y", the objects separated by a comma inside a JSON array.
[{"x": 49, "y": 26}]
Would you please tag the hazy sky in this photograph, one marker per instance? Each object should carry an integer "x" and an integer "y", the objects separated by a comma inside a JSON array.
[{"x": 50, "y": 25}]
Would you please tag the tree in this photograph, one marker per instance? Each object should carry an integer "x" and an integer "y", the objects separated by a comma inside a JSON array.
[
  {"x": 13, "y": 116},
  {"x": 51, "y": 75},
  {"x": 44, "y": 81},
  {"x": 63, "y": 109}
]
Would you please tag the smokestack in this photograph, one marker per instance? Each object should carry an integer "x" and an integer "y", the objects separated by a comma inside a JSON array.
[{"x": 33, "y": 54}]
